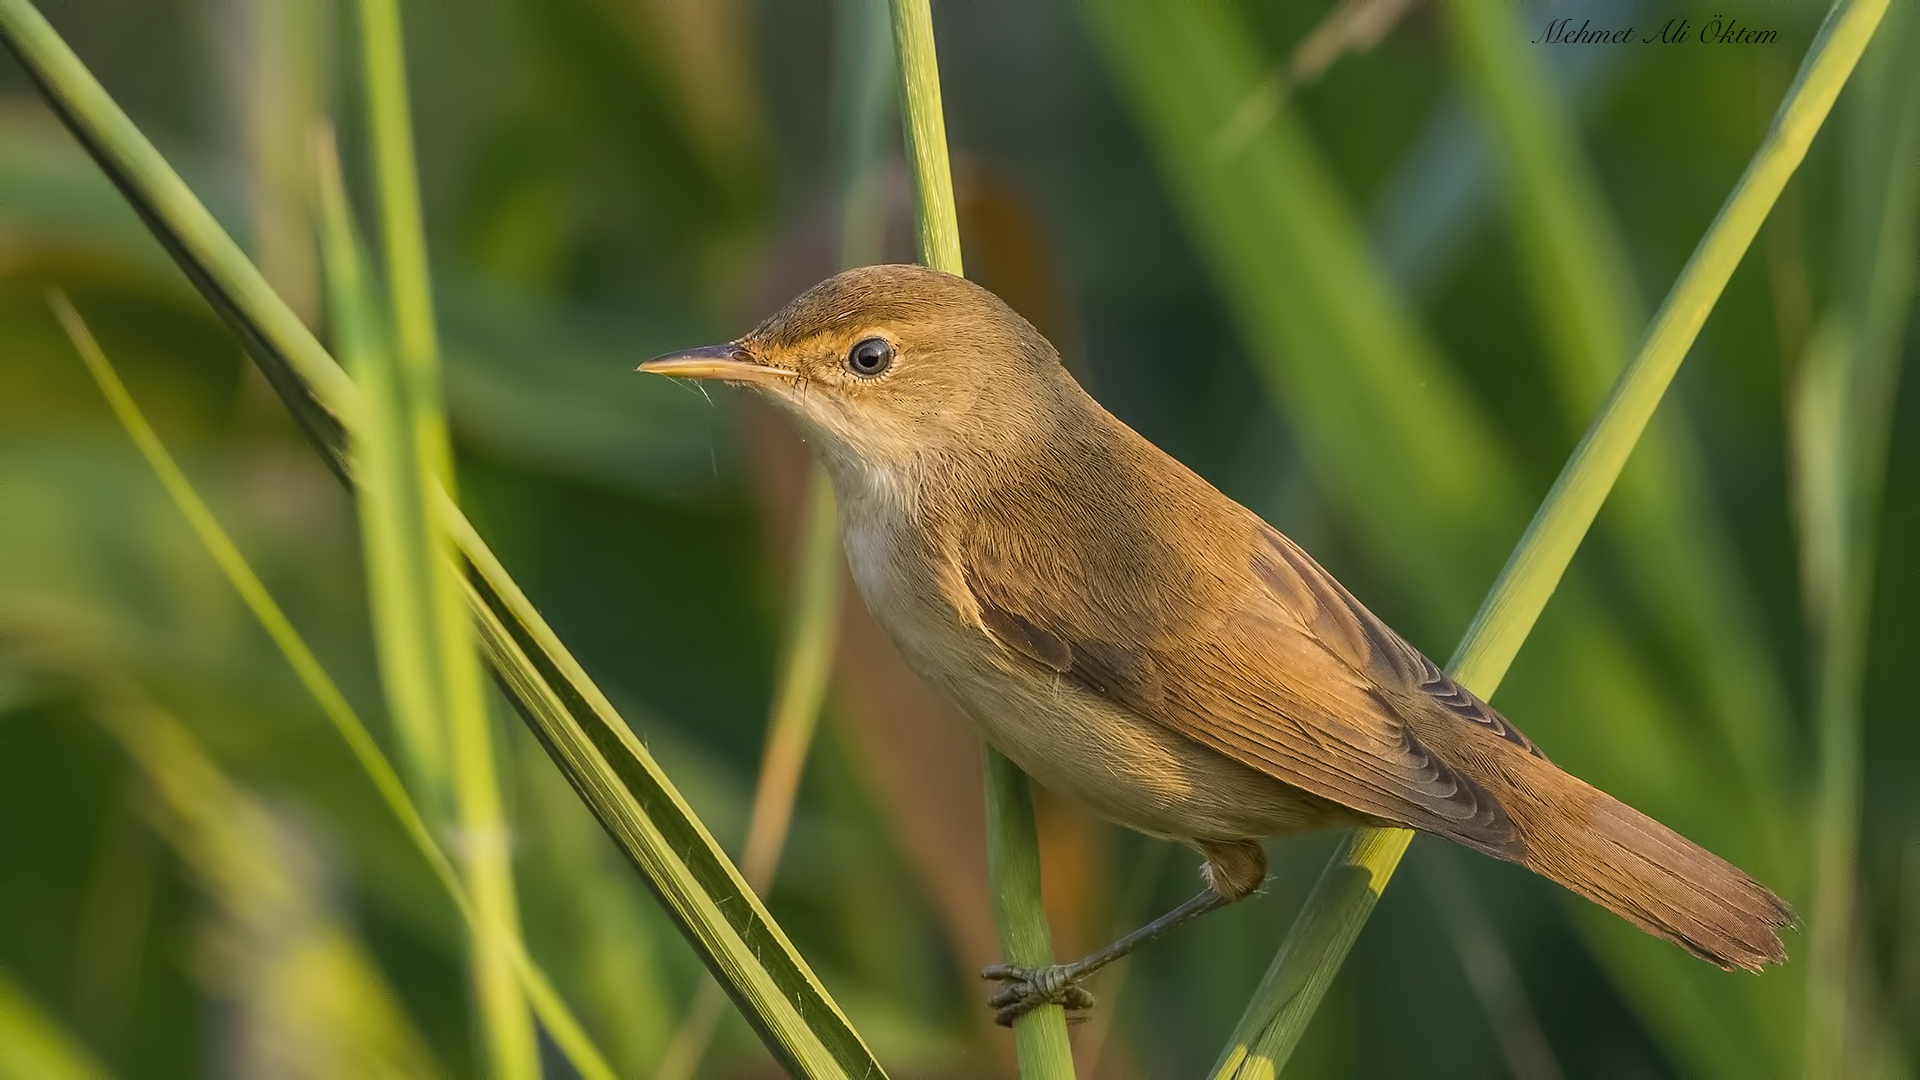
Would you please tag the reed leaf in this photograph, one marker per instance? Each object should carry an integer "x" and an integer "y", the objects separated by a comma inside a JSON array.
[
  {"x": 1013, "y": 872},
  {"x": 1340, "y": 903},
  {"x": 1013, "y": 852},
  {"x": 567, "y": 1032},
  {"x": 1842, "y": 414},
  {"x": 603, "y": 760},
  {"x": 397, "y": 189},
  {"x": 396, "y": 541},
  {"x": 924, "y": 130},
  {"x": 402, "y": 454},
  {"x": 421, "y": 445}
]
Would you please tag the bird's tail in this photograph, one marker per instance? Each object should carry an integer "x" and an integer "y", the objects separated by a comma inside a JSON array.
[{"x": 1639, "y": 869}]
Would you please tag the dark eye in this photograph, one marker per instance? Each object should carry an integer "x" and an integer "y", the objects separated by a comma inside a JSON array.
[{"x": 870, "y": 357}]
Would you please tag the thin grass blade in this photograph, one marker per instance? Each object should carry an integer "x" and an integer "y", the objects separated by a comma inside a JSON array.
[
  {"x": 426, "y": 448},
  {"x": 425, "y": 645},
  {"x": 559, "y": 1020},
  {"x": 1013, "y": 853},
  {"x": 924, "y": 126},
  {"x": 620, "y": 782},
  {"x": 1013, "y": 872},
  {"x": 396, "y": 542},
  {"x": 397, "y": 188},
  {"x": 1312, "y": 954}
]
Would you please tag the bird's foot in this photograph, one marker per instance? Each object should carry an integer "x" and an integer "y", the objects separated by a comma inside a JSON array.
[{"x": 1024, "y": 989}]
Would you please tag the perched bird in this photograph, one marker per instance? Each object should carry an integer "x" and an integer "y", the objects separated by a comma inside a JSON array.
[{"x": 1138, "y": 641}]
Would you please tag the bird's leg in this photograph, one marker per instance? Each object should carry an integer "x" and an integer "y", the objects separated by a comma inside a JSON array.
[
  {"x": 1025, "y": 989},
  {"x": 1233, "y": 871}
]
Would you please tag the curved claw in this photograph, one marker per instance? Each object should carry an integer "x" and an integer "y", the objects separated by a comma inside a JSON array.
[{"x": 1007, "y": 995}]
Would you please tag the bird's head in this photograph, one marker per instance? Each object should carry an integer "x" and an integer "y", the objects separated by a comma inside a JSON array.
[{"x": 889, "y": 368}]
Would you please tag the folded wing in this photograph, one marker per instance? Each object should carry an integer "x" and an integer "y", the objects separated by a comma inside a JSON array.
[{"x": 1281, "y": 669}]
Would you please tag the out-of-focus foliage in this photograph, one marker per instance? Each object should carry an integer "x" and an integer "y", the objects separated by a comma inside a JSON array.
[
  {"x": 1361, "y": 329},
  {"x": 614, "y": 774}
]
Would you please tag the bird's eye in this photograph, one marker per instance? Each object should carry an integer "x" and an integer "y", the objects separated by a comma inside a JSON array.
[{"x": 870, "y": 358}]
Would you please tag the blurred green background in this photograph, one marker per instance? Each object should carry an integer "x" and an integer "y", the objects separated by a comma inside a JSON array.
[{"x": 1372, "y": 289}]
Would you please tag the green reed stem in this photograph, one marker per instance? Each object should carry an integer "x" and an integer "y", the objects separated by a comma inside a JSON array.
[
  {"x": 1013, "y": 873},
  {"x": 568, "y": 1034},
  {"x": 400, "y": 379},
  {"x": 924, "y": 125},
  {"x": 397, "y": 555},
  {"x": 397, "y": 183},
  {"x": 1345, "y": 895},
  {"x": 1013, "y": 852}
]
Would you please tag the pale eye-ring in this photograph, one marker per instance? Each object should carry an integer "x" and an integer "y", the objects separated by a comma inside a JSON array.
[{"x": 870, "y": 358}]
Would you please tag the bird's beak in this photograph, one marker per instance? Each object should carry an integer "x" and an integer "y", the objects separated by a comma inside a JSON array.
[{"x": 730, "y": 362}]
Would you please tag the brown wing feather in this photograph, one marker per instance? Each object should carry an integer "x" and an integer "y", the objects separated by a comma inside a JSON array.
[
  {"x": 1144, "y": 585},
  {"x": 1280, "y": 669},
  {"x": 1291, "y": 572}
]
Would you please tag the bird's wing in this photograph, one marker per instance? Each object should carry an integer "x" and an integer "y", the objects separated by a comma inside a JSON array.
[{"x": 1286, "y": 673}]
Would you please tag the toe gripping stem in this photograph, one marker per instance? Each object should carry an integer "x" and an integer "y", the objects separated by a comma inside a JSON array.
[{"x": 1028, "y": 988}]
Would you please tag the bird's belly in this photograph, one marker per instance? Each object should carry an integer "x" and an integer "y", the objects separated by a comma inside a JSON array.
[{"x": 1125, "y": 768}]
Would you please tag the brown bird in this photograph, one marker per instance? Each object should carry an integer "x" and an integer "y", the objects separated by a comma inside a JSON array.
[{"x": 1138, "y": 641}]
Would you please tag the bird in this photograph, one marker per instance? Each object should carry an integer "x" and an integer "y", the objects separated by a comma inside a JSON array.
[{"x": 1139, "y": 642}]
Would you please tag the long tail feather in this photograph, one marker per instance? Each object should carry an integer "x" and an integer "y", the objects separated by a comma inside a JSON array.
[{"x": 1630, "y": 864}]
